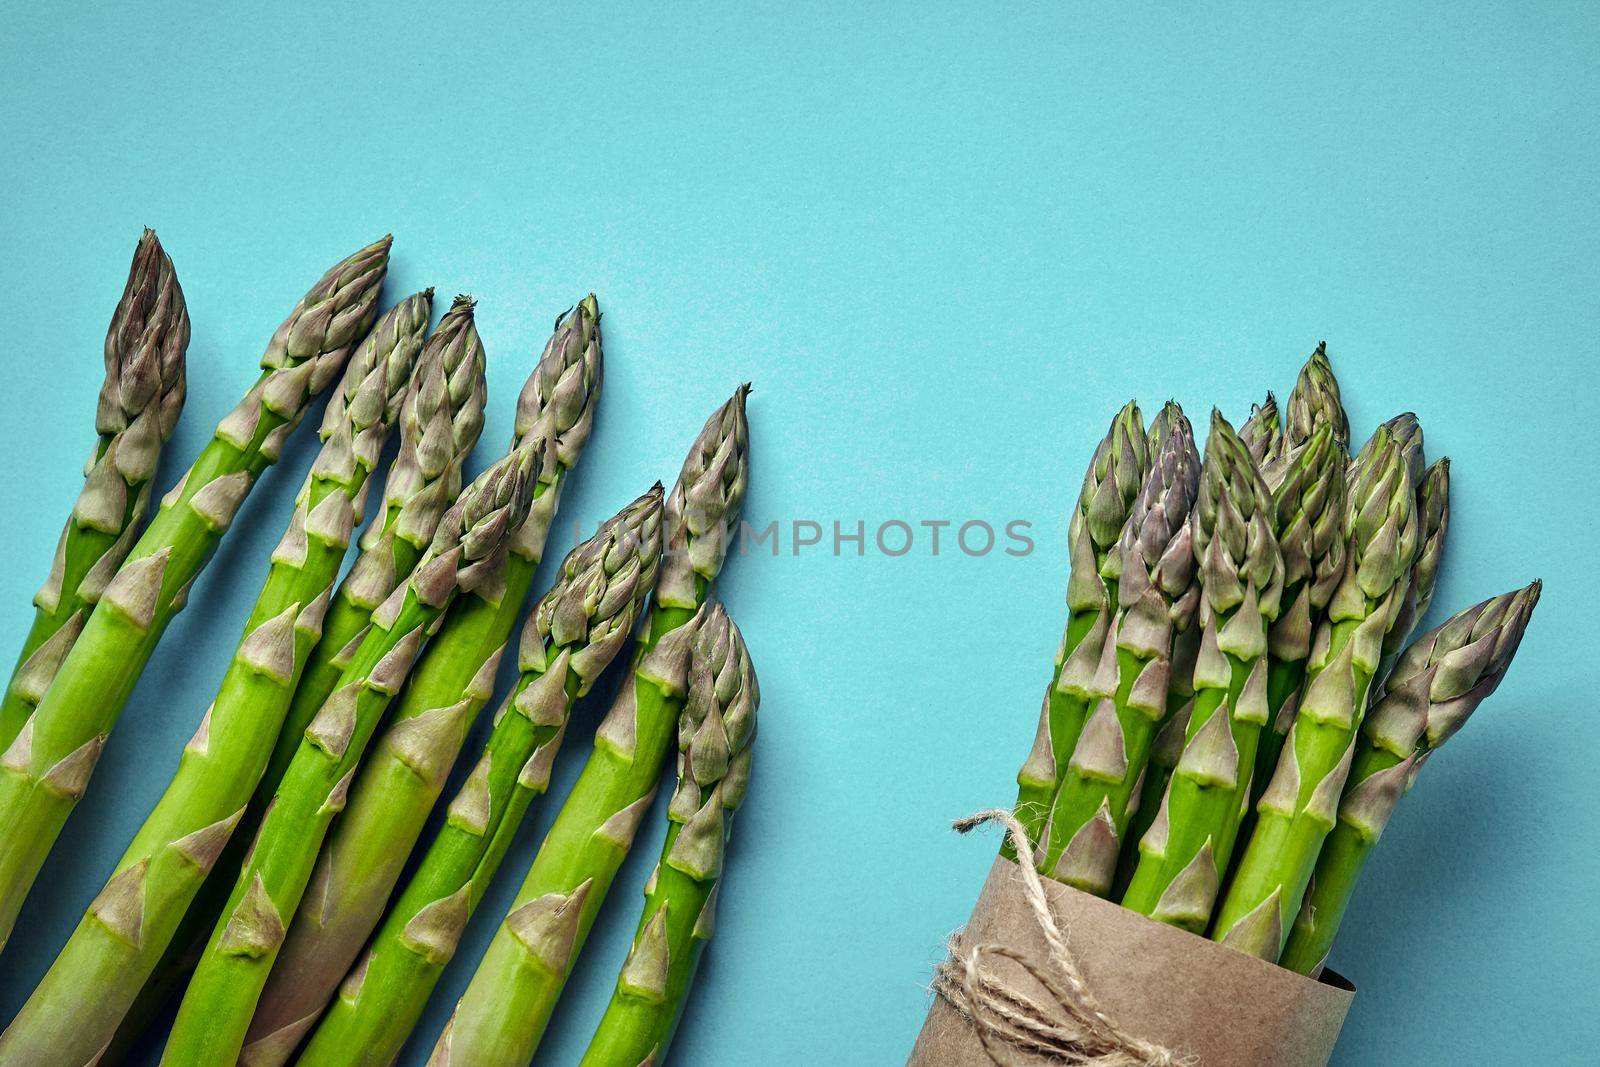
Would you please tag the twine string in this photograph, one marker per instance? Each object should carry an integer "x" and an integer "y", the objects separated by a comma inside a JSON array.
[{"x": 1067, "y": 1025}]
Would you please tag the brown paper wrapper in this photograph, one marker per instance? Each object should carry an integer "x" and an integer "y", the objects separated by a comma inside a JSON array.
[{"x": 1163, "y": 984}]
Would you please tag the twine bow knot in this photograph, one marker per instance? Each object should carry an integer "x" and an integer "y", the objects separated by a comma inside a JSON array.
[{"x": 1068, "y": 1026}]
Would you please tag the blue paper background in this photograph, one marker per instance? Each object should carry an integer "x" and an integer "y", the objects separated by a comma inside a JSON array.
[{"x": 945, "y": 242}]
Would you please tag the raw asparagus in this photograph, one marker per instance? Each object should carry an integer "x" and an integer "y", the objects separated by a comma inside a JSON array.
[
  {"x": 439, "y": 420},
  {"x": 403, "y": 775},
  {"x": 79, "y": 1004},
  {"x": 48, "y": 765},
  {"x": 1110, "y": 485},
  {"x": 1308, "y": 486},
  {"x": 1299, "y": 807},
  {"x": 1439, "y": 681},
  {"x": 1153, "y": 565},
  {"x": 1186, "y": 851},
  {"x": 503, "y": 1013},
  {"x": 578, "y": 627},
  {"x": 438, "y": 429},
  {"x": 1314, "y": 401},
  {"x": 1433, "y": 521},
  {"x": 1262, "y": 432},
  {"x": 139, "y": 406},
  {"x": 471, "y": 537},
  {"x": 715, "y": 735}
]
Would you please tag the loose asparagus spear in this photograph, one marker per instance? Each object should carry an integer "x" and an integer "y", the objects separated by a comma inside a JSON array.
[
  {"x": 1156, "y": 596},
  {"x": 403, "y": 775},
  {"x": 48, "y": 765},
  {"x": 216, "y": 1009},
  {"x": 715, "y": 738},
  {"x": 1299, "y": 807},
  {"x": 577, "y": 629},
  {"x": 502, "y": 1016},
  {"x": 79, "y": 1004},
  {"x": 439, "y": 420},
  {"x": 438, "y": 430},
  {"x": 1186, "y": 851},
  {"x": 1262, "y": 432},
  {"x": 1315, "y": 402},
  {"x": 139, "y": 406},
  {"x": 1109, "y": 488},
  {"x": 1439, "y": 681}
]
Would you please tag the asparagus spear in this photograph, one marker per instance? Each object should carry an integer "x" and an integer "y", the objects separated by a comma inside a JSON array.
[
  {"x": 578, "y": 628},
  {"x": 139, "y": 406},
  {"x": 1433, "y": 520},
  {"x": 439, "y": 420},
  {"x": 1314, "y": 401},
  {"x": 1299, "y": 807},
  {"x": 1439, "y": 681},
  {"x": 48, "y": 765},
  {"x": 79, "y": 1004},
  {"x": 438, "y": 429},
  {"x": 715, "y": 738},
  {"x": 1109, "y": 488},
  {"x": 471, "y": 538},
  {"x": 1262, "y": 432},
  {"x": 1156, "y": 594},
  {"x": 1186, "y": 851},
  {"x": 1308, "y": 487},
  {"x": 403, "y": 775},
  {"x": 503, "y": 1014}
]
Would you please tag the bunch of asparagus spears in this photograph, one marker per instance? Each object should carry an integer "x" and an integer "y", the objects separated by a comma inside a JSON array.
[
  {"x": 267, "y": 884},
  {"x": 1234, "y": 711}
]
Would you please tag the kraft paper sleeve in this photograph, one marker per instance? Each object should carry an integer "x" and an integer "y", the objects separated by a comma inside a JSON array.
[{"x": 1163, "y": 984}]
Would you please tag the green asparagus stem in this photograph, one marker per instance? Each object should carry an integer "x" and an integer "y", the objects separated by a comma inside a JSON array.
[
  {"x": 576, "y": 630},
  {"x": 1439, "y": 681},
  {"x": 1308, "y": 485},
  {"x": 503, "y": 1014},
  {"x": 403, "y": 775},
  {"x": 1109, "y": 488},
  {"x": 1315, "y": 402},
  {"x": 1186, "y": 852},
  {"x": 1153, "y": 566},
  {"x": 76, "y": 1010},
  {"x": 438, "y": 429},
  {"x": 715, "y": 739},
  {"x": 1262, "y": 433},
  {"x": 48, "y": 765},
  {"x": 139, "y": 406},
  {"x": 440, "y": 420},
  {"x": 1299, "y": 807},
  {"x": 466, "y": 549}
]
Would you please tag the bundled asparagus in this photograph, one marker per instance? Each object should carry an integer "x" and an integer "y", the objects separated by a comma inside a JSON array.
[
  {"x": 715, "y": 735},
  {"x": 503, "y": 1013},
  {"x": 1439, "y": 681},
  {"x": 466, "y": 549},
  {"x": 139, "y": 407},
  {"x": 1153, "y": 565},
  {"x": 402, "y": 778},
  {"x": 578, "y": 628},
  {"x": 77, "y": 1007},
  {"x": 1186, "y": 851},
  {"x": 48, "y": 765},
  {"x": 1110, "y": 486},
  {"x": 1299, "y": 807}
]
